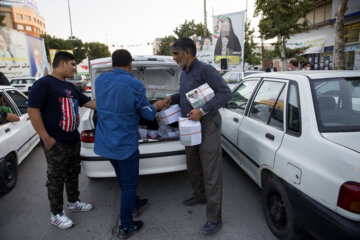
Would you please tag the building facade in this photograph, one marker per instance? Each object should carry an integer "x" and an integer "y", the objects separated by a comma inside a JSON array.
[
  {"x": 23, "y": 15},
  {"x": 320, "y": 37}
]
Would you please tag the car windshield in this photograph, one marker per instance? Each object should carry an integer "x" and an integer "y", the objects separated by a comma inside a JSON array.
[{"x": 337, "y": 104}]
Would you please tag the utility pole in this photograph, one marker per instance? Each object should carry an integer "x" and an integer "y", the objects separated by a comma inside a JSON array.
[
  {"x": 205, "y": 20},
  {"x": 71, "y": 37}
]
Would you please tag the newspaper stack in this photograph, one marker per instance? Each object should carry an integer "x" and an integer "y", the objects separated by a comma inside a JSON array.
[
  {"x": 198, "y": 97},
  {"x": 190, "y": 132},
  {"x": 169, "y": 115},
  {"x": 165, "y": 131}
]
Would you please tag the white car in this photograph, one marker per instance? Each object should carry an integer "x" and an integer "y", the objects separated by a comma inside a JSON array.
[
  {"x": 23, "y": 84},
  {"x": 161, "y": 76},
  {"x": 297, "y": 135},
  {"x": 17, "y": 139}
]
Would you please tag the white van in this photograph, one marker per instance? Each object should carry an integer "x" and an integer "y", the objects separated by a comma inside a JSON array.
[{"x": 161, "y": 77}]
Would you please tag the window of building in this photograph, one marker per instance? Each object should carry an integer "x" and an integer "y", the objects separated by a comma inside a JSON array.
[
  {"x": 28, "y": 28},
  {"x": 27, "y": 18},
  {"x": 352, "y": 32},
  {"x": 20, "y": 27},
  {"x": 35, "y": 20},
  {"x": 19, "y": 16}
]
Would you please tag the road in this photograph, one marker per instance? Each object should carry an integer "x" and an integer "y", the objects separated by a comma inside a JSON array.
[{"x": 24, "y": 212}]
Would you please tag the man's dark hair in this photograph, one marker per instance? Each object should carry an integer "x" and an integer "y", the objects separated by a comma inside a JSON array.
[
  {"x": 121, "y": 58},
  {"x": 184, "y": 44},
  {"x": 294, "y": 62},
  {"x": 62, "y": 56}
]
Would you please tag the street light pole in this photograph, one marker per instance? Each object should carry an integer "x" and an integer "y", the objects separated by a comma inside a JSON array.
[
  {"x": 205, "y": 19},
  {"x": 71, "y": 37}
]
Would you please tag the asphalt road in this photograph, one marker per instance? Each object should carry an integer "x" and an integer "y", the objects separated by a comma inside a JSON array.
[{"x": 24, "y": 212}]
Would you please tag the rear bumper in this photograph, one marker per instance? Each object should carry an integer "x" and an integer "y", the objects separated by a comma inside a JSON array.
[{"x": 319, "y": 221}]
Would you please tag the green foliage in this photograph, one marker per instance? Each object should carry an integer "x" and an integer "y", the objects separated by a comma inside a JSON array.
[
  {"x": 188, "y": 29},
  {"x": 164, "y": 48},
  {"x": 81, "y": 50},
  {"x": 2, "y": 17},
  {"x": 251, "y": 57},
  {"x": 282, "y": 18}
]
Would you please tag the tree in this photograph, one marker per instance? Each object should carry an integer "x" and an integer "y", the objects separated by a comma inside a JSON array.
[
  {"x": 188, "y": 29},
  {"x": 339, "y": 36},
  {"x": 251, "y": 57},
  {"x": 281, "y": 19},
  {"x": 97, "y": 50},
  {"x": 2, "y": 24},
  {"x": 164, "y": 47}
]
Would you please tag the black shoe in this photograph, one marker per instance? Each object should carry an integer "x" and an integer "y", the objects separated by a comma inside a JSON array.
[
  {"x": 211, "y": 227},
  {"x": 143, "y": 203},
  {"x": 127, "y": 232},
  {"x": 193, "y": 201}
]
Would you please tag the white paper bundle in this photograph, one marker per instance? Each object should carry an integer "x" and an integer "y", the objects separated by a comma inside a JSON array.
[
  {"x": 198, "y": 97},
  {"x": 165, "y": 131},
  {"x": 190, "y": 132},
  {"x": 151, "y": 134},
  {"x": 169, "y": 115},
  {"x": 142, "y": 133}
]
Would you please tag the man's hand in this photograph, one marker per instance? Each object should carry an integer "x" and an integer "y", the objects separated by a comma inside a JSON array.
[
  {"x": 91, "y": 104},
  {"x": 12, "y": 117},
  {"x": 159, "y": 105},
  {"x": 167, "y": 101},
  {"x": 49, "y": 143},
  {"x": 194, "y": 114}
]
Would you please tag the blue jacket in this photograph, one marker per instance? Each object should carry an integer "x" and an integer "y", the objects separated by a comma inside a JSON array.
[{"x": 120, "y": 101}]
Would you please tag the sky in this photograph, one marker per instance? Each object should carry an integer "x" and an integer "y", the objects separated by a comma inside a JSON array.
[{"x": 129, "y": 23}]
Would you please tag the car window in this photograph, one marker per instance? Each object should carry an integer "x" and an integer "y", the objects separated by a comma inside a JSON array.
[
  {"x": 293, "y": 117},
  {"x": 19, "y": 99},
  {"x": 5, "y": 106},
  {"x": 265, "y": 100},
  {"x": 241, "y": 96},
  {"x": 277, "y": 115},
  {"x": 337, "y": 104}
]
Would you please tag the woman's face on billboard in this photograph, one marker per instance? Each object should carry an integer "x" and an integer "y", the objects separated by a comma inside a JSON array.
[{"x": 225, "y": 28}]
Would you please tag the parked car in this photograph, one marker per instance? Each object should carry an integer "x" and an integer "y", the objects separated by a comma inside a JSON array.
[
  {"x": 23, "y": 84},
  {"x": 88, "y": 87},
  {"x": 297, "y": 135},
  {"x": 78, "y": 81},
  {"x": 17, "y": 139},
  {"x": 233, "y": 77},
  {"x": 161, "y": 77}
]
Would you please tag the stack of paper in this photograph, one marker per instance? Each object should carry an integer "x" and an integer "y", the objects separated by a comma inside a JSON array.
[
  {"x": 169, "y": 115},
  {"x": 198, "y": 97},
  {"x": 165, "y": 131},
  {"x": 190, "y": 132}
]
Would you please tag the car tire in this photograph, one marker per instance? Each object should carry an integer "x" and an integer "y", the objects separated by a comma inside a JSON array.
[
  {"x": 8, "y": 174},
  {"x": 278, "y": 211}
]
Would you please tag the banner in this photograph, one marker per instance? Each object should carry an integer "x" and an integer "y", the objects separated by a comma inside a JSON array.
[
  {"x": 21, "y": 55},
  {"x": 204, "y": 48},
  {"x": 83, "y": 67},
  {"x": 229, "y": 38},
  {"x": 52, "y": 53}
]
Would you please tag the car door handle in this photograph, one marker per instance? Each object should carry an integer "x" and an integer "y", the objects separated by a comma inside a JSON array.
[
  {"x": 235, "y": 120},
  {"x": 27, "y": 119},
  {"x": 269, "y": 136},
  {"x": 7, "y": 130}
]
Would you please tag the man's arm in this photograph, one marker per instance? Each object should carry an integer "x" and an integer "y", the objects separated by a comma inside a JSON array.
[
  {"x": 91, "y": 104},
  {"x": 38, "y": 124},
  {"x": 12, "y": 117}
]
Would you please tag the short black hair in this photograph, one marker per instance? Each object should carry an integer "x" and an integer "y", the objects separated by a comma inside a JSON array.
[
  {"x": 184, "y": 44},
  {"x": 294, "y": 62},
  {"x": 62, "y": 56},
  {"x": 121, "y": 58}
]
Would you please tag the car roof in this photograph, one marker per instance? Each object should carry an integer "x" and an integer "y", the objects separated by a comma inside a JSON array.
[
  {"x": 23, "y": 78},
  {"x": 138, "y": 58},
  {"x": 311, "y": 74},
  {"x": 3, "y": 87}
]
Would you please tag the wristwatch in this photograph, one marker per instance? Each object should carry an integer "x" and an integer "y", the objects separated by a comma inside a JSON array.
[{"x": 203, "y": 113}]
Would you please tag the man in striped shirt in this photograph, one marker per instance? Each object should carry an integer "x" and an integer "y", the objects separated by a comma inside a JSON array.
[{"x": 54, "y": 114}]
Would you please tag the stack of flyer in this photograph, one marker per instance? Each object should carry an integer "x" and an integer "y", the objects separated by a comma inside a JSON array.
[
  {"x": 169, "y": 115},
  {"x": 190, "y": 132},
  {"x": 198, "y": 97},
  {"x": 165, "y": 131}
]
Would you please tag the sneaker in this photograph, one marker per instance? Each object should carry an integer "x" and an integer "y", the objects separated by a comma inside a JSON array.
[
  {"x": 193, "y": 201},
  {"x": 127, "y": 232},
  {"x": 143, "y": 203},
  {"x": 78, "y": 206},
  {"x": 211, "y": 227},
  {"x": 61, "y": 220}
]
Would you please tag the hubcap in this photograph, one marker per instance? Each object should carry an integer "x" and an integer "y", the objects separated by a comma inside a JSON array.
[
  {"x": 9, "y": 170},
  {"x": 277, "y": 209}
]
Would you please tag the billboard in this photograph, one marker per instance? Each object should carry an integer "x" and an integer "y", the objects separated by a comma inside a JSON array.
[
  {"x": 22, "y": 55},
  {"x": 229, "y": 38},
  {"x": 204, "y": 48}
]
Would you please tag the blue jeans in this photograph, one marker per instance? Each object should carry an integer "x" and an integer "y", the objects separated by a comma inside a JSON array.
[{"x": 127, "y": 172}]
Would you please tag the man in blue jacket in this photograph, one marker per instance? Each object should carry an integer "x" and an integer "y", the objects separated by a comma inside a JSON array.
[{"x": 121, "y": 101}]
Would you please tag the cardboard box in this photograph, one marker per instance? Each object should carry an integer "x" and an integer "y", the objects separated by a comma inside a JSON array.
[
  {"x": 169, "y": 115},
  {"x": 190, "y": 132},
  {"x": 198, "y": 97}
]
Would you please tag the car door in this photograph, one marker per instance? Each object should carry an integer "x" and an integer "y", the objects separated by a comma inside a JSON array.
[
  {"x": 262, "y": 130},
  {"x": 19, "y": 135},
  {"x": 233, "y": 113},
  {"x": 4, "y": 129}
]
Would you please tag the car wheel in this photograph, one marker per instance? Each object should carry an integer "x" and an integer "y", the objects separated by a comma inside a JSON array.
[
  {"x": 8, "y": 174},
  {"x": 278, "y": 211}
]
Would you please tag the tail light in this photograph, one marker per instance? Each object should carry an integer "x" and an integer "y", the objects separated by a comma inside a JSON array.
[
  {"x": 349, "y": 197},
  {"x": 88, "y": 88},
  {"x": 88, "y": 136}
]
